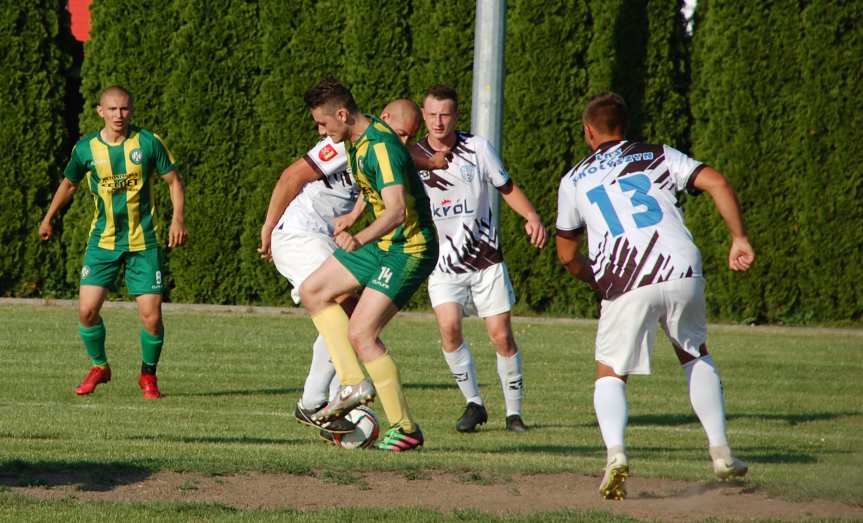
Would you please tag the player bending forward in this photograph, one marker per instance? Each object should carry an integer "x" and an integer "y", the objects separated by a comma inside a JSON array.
[
  {"x": 390, "y": 258},
  {"x": 470, "y": 267},
  {"x": 648, "y": 271},
  {"x": 118, "y": 163},
  {"x": 313, "y": 201}
]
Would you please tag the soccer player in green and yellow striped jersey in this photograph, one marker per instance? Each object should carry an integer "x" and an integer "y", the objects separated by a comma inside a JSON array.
[
  {"x": 117, "y": 164},
  {"x": 391, "y": 257}
]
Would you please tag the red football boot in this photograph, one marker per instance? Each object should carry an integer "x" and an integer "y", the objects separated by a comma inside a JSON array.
[
  {"x": 97, "y": 375},
  {"x": 147, "y": 382}
]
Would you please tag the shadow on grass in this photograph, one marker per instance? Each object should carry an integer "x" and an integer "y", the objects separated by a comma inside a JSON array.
[
  {"x": 230, "y": 440},
  {"x": 676, "y": 419},
  {"x": 99, "y": 477},
  {"x": 430, "y": 386},
  {"x": 240, "y": 392}
]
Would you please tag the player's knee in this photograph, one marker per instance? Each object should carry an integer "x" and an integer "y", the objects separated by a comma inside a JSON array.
[
  {"x": 503, "y": 341},
  {"x": 360, "y": 336},
  {"x": 152, "y": 321},
  {"x": 450, "y": 333},
  {"x": 88, "y": 315}
]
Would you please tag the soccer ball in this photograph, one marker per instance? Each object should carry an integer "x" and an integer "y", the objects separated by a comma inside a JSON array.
[{"x": 367, "y": 431}]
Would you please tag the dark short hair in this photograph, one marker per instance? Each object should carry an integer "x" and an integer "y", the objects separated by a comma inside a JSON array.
[
  {"x": 330, "y": 91},
  {"x": 442, "y": 92},
  {"x": 607, "y": 113},
  {"x": 116, "y": 88}
]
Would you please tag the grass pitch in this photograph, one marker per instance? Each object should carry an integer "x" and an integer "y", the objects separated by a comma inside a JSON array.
[{"x": 793, "y": 398}]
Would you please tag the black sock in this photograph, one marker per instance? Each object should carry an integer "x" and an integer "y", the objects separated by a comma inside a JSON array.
[{"x": 148, "y": 369}]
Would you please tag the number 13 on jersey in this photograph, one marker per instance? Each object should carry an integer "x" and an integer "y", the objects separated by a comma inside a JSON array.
[{"x": 639, "y": 185}]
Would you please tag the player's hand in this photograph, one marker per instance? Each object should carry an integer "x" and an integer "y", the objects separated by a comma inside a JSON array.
[
  {"x": 741, "y": 256},
  {"x": 266, "y": 250},
  {"x": 342, "y": 223},
  {"x": 347, "y": 242},
  {"x": 177, "y": 234},
  {"x": 440, "y": 160},
  {"x": 46, "y": 230},
  {"x": 535, "y": 231}
]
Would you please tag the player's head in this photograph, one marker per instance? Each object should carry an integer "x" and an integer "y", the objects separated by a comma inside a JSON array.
[
  {"x": 440, "y": 111},
  {"x": 115, "y": 108},
  {"x": 604, "y": 118},
  {"x": 333, "y": 108},
  {"x": 403, "y": 117}
]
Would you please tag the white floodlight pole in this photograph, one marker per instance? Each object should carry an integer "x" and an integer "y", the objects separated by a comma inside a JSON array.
[{"x": 486, "y": 115}]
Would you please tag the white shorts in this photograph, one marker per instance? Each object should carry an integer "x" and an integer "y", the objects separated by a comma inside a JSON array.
[
  {"x": 627, "y": 323},
  {"x": 488, "y": 291},
  {"x": 298, "y": 254}
]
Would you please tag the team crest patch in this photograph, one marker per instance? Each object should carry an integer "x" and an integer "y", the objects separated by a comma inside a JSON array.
[
  {"x": 136, "y": 156},
  {"x": 467, "y": 172},
  {"x": 327, "y": 153},
  {"x": 85, "y": 271}
]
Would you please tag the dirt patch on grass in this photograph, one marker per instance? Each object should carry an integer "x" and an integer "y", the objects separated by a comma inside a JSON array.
[{"x": 654, "y": 499}]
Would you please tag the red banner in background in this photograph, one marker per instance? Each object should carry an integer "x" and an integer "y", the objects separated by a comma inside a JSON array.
[{"x": 80, "y": 13}]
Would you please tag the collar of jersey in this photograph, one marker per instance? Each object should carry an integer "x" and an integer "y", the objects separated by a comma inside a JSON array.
[{"x": 132, "y": 130}]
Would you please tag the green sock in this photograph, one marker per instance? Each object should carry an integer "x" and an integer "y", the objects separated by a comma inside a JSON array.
[
  {"x": 151, "y": 347},
  {"x": 94, "y": 342}
]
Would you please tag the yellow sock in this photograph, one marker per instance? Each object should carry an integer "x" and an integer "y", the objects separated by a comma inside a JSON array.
[
  {"x": 332, "y": 323},
  {"x": 385, "y": 376}
]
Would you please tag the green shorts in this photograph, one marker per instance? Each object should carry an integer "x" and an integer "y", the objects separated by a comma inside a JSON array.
[
  {"x": 143, "y": 269},
  {"x": 395, "y": 274}
]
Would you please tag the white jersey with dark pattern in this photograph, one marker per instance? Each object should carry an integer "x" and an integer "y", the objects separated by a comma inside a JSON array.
[
  {"x": 461, "y": 204},
  {"x": 319, "y": 202},
  {"x": 625, "y": 193}
]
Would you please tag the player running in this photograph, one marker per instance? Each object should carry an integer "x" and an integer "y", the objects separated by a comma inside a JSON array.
[
  {"x": 470, "y": 268},
  {"x": 647, "y": 269},
  {"x": 390, "y": 257},
  {"x": 117, "y": 163},
  {"x": 315, "y": 199}
]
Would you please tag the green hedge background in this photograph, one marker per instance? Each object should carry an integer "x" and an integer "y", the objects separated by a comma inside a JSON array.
[{"x": 768, "y": 93}]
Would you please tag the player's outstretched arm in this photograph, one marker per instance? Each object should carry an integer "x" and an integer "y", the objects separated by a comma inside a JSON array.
[
  {"x": 518, "y": 202},
  {"x": 391, "y": 217},
  {"x": 568, "y": 247},
  {"x": 177, "y": 233},
  {"x": 62, "y": 197},
  {"x": 741, "y": 255},
  {"x": 289, "y": 185}
]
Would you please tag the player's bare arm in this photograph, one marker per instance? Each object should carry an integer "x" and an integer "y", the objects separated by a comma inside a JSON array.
[
  {"x": 741, "y": 255},
  {"x": 289, "y": 185},
  {"x": 61, "y": 199},
  {"x": 177, "y": 233},
  {"x": 392, "y": 216},
  {"x": 346, "y": 221},
  {"x": 569, "y": 253},
  {"x": 439, "y": 160},
  {"x": 518, "y": 202}
]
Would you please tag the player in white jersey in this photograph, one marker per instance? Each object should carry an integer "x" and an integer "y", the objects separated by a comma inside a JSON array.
[
  {"x": 648, "y": 270},
  {"x": 470, "y": 272},
  {"x": 314, "y": 199}
]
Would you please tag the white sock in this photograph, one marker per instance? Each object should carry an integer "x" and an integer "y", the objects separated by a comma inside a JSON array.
[
  {"x": 509, "y": 373},
  {"x": 609, "y": 401},
  {"x": 460, "y": 363},
  {"x": 321, "y": 372},
  {"x": 705, "y": 394}
]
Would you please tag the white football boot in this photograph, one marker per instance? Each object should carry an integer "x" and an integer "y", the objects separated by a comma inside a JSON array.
[
  {"x": 616, "y": 472},
  {"x": 726, "y": 466}
]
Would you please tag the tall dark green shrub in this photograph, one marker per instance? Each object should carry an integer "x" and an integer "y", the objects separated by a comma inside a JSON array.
[
  {"x": 829, "y": 190},
  {"x": 294, "y": 56},
  {"x": 133, "y": 53},
  {"x": 208, "y": 106},
  {"x": 745, "y": 90},
  {"x": 35, "y": 56},
  {"x": 547, "y": 80}
]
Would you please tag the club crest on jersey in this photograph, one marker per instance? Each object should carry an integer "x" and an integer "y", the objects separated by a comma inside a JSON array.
[
  {"x": 467, "y": 172},
  {"x": 447, "y": 208},
  {"x": 136, "y": 156},
  {"x": 327, "y": 153}
]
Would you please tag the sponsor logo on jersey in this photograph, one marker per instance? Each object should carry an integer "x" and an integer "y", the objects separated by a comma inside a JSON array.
[
  {"x": 327, "y": 153},
  {"x": 467, "y": 173},
  {"x": 119, "y": 182},
  {"x": 136, "y": 156},
  {"x": 447, "y": 208},
  {"x": 610, "y": 161}
]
